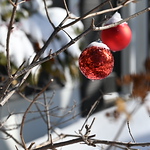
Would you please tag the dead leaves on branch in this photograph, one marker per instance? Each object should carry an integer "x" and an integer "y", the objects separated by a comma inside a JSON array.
[
  {"x": 140, "y": 87},
  {"x": 140, "y": 84},
  {"x": 121, "y": 108}
]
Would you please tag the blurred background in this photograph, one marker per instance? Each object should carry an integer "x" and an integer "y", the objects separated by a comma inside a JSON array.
[{"x": 73, "y": 90}]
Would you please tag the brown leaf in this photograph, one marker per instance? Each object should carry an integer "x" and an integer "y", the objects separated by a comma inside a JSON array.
[{"x": 121, "y": 107}]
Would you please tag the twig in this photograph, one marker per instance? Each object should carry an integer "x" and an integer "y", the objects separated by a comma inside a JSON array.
[
  {"x": 30, "y": 146},
  {"x": 44, "y": 1},
  {"x": 136, "y": 108},
  {"x": 60, "y": 144},
  {"x": 40, "y": 112},
  {"x": 2, "y": 123},
  {"x": 122, "y": 21},
  {"x": 89, "y": 114},
  {"x": 8, "y": 36},
  {"x": 128, "y": 124},
  {"x": 59, "y": 137},
  {"x": 24, "y": 116},
  {"x": 12, "y": 3},
  {"x": 82, "y": 17},
  {"x": 127, "y": 144},
  {"x": 94, "y": 141},
  {"x": 66, "y": 7},
  {"x": 11, "y": 136},
  {"x": 108, "y": 10},
  {"x": 47, "y": 113},
  {"x": 110, "y": 4},
  {"x": 87, "y": 133},
  {"x": 16, "y": 147}
]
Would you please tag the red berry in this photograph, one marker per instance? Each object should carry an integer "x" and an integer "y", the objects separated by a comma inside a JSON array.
[
  {"x": 96, "y": 61},
  {"x": 116, "y": 38}
]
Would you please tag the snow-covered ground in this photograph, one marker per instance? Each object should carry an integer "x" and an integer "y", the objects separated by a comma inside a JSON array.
[{"x": 106, "y": 128}]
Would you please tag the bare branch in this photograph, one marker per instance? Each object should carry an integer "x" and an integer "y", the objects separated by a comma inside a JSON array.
[
  {"x": 126, "y": 144},
  {"x": 128, "y": 124},
  {"x": 82, "y": 17},
  {"x": 35, "y": 62},
  {"x": 11, "y": 136},
  {"x": 47, "y": 113},
  {"x": 122, "y": 21},
  {"x": 66, "y": 7},
  {"x": 44, "y": 1},
  {"x": 10, "y": 27},
  {"x": 24, "y": 116},
  {"x": 55, "y": 145},
  {"x": 89, "y": 114},
  {"x": 108, "y": 10}
]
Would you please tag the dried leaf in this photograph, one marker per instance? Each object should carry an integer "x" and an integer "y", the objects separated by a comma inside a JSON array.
[
  {"x": 121, "y": 107},
  {"x": 141, "y": 84}
]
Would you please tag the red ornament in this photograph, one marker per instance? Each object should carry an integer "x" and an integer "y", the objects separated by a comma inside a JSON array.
[
  {"x": 96, "y": 61},
  {"x": 116, "y": 38}
]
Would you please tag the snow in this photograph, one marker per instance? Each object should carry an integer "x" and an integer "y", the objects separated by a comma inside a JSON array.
[
  {"x": 98, "y": 44},
  {"x": 20, "y": 46},
  {"x": 39, "y": 29},
  {"x": 43, "y": 29},
  {"x": 115, "y": 18},
  {"x": 107, "y": 128}
]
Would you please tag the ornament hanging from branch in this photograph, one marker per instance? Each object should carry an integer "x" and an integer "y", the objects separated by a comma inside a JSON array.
[
  {"x": 116, "y": 38},
  {"x": 96, "y": 61}
]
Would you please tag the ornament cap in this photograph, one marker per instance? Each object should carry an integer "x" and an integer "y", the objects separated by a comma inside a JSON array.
[{"x": 98, "y": 44}]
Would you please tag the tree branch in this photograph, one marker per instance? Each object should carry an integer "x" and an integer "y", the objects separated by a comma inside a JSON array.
[
  {"x": 122, "y": 21},
  {"x": 10, "y": 27},
  {"x": 24, "y": 115}
]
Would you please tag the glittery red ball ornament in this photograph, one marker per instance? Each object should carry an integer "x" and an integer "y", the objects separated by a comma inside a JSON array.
[{"x": 96, "y": 61}]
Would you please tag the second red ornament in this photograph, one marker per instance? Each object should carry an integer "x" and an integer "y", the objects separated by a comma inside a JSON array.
[{"x": 116, "y": 38}]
